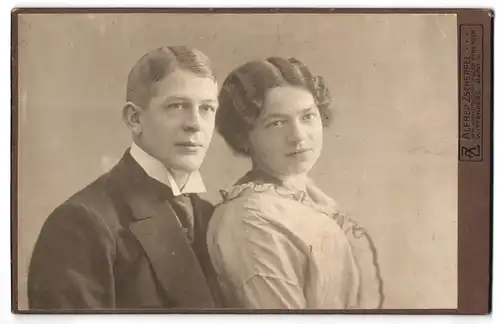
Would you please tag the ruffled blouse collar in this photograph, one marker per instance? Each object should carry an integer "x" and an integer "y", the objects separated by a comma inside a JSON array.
[{"x": 259, "y": 182}]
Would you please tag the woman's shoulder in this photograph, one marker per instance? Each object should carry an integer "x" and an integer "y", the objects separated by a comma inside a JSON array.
[
  {"x": 243, "y": 211},
  {"x": 245, "y": 199}
]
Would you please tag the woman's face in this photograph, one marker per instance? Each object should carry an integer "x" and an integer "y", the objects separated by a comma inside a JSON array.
[{"x": 287, "y": 136}]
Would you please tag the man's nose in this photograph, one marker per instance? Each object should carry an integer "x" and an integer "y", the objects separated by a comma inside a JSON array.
[{"x": 192, "y": 120}]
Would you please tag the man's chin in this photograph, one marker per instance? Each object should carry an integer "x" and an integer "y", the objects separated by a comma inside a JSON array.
[{"x": 188, "y": 164}]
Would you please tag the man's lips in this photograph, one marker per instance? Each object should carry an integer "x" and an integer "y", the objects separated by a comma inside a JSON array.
[{"x": 189, "y": 144}]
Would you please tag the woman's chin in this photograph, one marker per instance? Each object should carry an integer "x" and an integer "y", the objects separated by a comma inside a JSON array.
[{"x": 297, "y": 170}]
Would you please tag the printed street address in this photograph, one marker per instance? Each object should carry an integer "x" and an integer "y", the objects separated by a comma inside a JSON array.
[{"x": 471, "y": 93}]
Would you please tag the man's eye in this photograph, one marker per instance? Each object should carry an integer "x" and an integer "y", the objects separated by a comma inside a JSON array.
[
  {"x": 310, "y": 116},
  {"x": 208, "y": 108}
]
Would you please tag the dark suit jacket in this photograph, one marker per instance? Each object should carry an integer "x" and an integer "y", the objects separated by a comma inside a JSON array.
[{"x": 117, "y": 244}]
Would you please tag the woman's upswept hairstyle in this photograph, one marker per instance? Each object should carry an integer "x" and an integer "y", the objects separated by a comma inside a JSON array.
[
  {"x": 243, "y": 92},
  {"x": 157, "y": 64}
]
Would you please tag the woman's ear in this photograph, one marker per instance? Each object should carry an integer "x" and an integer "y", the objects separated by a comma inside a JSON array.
[{"x": 131, "y": 116}]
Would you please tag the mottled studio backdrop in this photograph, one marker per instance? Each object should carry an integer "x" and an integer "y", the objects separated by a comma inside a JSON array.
[{"x": 390, "y": 158}]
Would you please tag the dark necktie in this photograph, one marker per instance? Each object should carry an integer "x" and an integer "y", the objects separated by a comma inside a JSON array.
[{"x": 183, "y": 206}]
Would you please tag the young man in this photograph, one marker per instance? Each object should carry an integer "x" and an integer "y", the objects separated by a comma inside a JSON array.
[{"x": 136, "y": 237}]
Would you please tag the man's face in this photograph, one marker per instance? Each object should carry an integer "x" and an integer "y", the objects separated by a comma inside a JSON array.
[{"x": 178, "y": 124}]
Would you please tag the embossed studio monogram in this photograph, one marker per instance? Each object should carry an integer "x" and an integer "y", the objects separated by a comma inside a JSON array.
[{"x": 470, "y": 152}]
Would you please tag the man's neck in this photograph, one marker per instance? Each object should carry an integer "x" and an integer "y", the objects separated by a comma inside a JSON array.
[{"x": 180, "y": 177}]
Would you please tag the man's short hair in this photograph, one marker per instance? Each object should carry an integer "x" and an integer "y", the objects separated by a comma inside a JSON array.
[{"x": 158, "y": 64}]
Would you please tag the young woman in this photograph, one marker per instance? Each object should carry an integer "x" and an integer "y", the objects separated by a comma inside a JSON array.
[{"x": 276, "y": 240}]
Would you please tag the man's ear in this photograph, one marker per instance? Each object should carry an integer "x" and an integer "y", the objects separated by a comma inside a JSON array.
[{"x": 131, "y": 116}]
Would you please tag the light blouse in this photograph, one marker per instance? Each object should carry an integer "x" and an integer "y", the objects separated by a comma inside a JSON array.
[{"x": 277, "y": 248}]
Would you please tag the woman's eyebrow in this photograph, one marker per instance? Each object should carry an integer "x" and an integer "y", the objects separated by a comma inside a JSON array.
[
  {"x": 278, "y": 115},
  {"x": 274, "y": 116}
]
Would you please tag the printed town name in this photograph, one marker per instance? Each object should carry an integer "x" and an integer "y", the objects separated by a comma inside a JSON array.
[{"x": 471, "y": 95}]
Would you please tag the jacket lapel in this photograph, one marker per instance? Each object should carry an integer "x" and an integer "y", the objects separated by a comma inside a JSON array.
[
  {"x": 157, "y": 229},
  {"x": 170, "y": 254}
]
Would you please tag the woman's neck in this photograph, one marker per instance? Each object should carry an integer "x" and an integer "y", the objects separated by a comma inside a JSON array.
[{"x": 296, "y": 181}]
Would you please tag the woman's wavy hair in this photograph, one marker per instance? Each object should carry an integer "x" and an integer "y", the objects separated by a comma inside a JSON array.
[{"x": 243, "y": 92}]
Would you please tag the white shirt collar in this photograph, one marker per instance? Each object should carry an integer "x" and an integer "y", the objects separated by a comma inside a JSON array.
[{"x": 157, "y": 170}]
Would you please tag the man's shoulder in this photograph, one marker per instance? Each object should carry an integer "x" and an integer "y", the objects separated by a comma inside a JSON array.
[
  {"x": 93, "y": 194},
  {"x": 92, "y": 203}
]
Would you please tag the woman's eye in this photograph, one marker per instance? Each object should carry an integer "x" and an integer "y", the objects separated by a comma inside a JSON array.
[{"x": 277, "y": 123}]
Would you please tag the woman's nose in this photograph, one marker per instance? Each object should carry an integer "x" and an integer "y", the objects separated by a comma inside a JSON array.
[{"x": 298, "y": 132}]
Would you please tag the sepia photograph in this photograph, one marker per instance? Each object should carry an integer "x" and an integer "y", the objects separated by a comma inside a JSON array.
[{"x": 237, "y": 161}]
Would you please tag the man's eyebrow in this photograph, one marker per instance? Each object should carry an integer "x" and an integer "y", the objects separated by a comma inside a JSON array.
[
  {"x": 306, "y": 110},
  {"x": 177, "y": 98},
  {"x": 210, "y": 101}
]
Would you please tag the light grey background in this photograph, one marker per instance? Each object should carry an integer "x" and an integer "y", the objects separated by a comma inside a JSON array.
[{"x": 390, "y": 158}]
